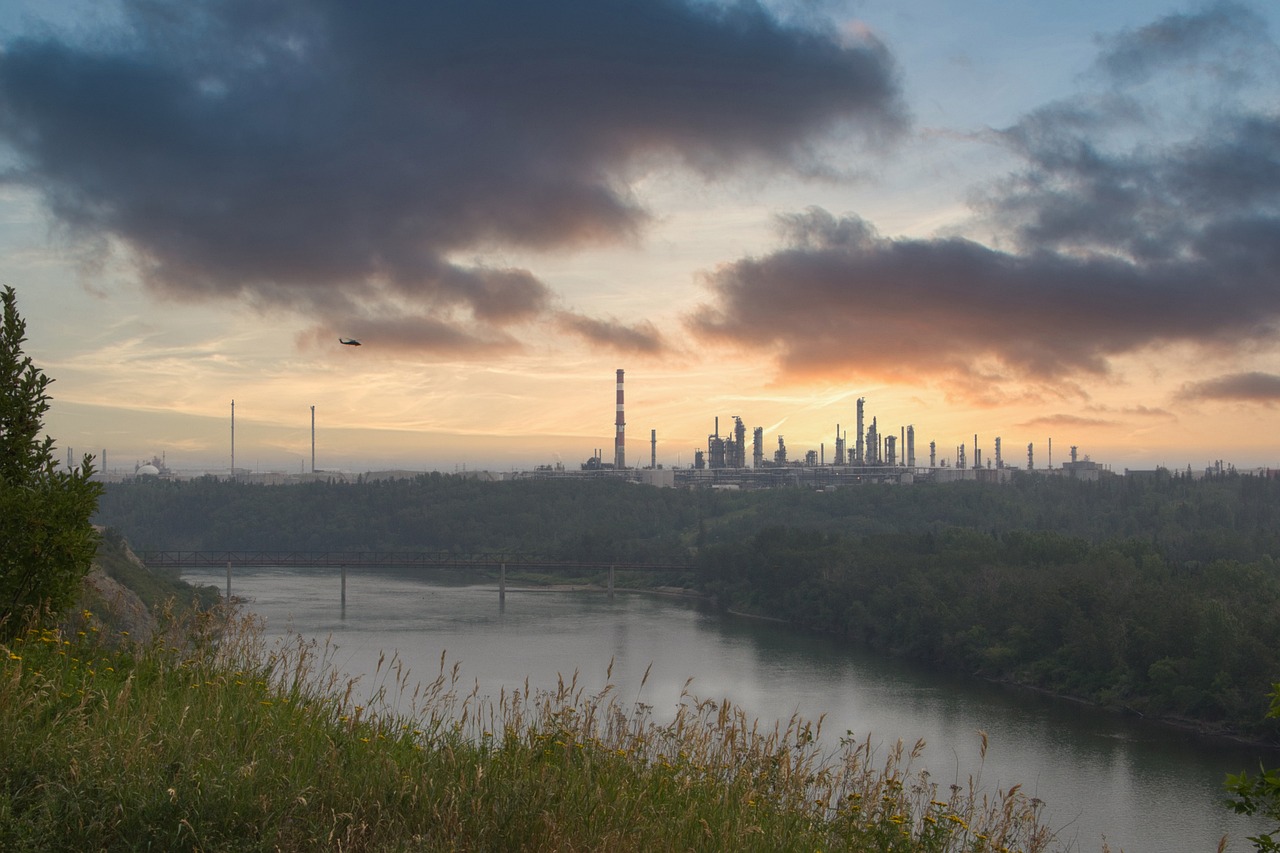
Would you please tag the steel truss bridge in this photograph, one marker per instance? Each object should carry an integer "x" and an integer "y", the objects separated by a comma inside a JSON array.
[{"x": 394, "y": 560}]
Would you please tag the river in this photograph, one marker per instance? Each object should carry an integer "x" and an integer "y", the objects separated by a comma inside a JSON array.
[{"x": 1139, "y": 787}]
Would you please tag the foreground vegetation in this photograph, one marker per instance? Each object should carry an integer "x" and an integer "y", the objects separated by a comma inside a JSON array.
[{"x": 205, "y": 738}]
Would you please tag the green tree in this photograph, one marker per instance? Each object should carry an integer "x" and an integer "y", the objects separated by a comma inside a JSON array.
[
  {"x": 1260, "y": 794},
  {"x": 47, "y": 542}
]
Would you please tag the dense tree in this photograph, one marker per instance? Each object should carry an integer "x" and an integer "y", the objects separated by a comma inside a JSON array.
[
  {"x": 1160, "y": 597},
  {"x": 46, "y": 539}
]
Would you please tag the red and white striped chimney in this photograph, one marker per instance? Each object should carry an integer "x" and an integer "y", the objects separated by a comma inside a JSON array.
[{"x": 620, "y": 441}]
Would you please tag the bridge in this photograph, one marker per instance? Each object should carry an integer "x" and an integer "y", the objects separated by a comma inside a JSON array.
[
  {"x": 393, "y": 560},
  {"x": 423, "y": 560}
]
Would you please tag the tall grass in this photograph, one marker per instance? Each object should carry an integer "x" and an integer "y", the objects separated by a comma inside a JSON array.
[{"x": 207, "y": 738}]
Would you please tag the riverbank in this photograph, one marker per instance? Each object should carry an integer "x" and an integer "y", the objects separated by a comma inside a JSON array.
[{"x": 1198, "y": 728}]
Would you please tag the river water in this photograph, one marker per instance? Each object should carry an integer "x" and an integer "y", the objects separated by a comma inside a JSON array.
[{"x": 1135, "y": 786}]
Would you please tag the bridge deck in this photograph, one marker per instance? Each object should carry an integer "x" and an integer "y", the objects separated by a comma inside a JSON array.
[{"x": 389, "y": 560}]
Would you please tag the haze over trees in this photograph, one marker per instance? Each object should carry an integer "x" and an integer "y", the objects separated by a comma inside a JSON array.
[{"x": 1159, "y": 596}]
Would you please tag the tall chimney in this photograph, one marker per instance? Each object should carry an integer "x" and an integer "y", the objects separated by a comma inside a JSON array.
[
  {"x": 653, "y": 449},
  {"x": 620, "y": 441},
  {"x": 861, "y": 459},
  {"x": 313, "y": 439}
]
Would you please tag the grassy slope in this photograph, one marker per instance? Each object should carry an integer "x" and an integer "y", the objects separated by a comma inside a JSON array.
[{"x": 206, "y": 739}]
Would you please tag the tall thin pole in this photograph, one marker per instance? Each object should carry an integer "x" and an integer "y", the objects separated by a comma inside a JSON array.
[
  {"x": 620, "y": 428},
  {"x": 313, "y": 439},
  {"x": 233, "y": 439}
]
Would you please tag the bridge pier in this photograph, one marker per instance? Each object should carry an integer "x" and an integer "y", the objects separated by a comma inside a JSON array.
[
  {"x": 611, "y": 568},
  {"x": 344, "y": 589},
  {"x": 228, "y": 581},
  {"x": 502, "y": 585}
]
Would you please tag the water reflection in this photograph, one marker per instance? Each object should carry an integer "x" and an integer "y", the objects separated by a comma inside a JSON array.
[{"x": 1142, "y": 788}]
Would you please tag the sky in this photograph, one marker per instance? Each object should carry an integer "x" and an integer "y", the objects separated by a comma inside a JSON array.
[{"x": 1039, "y": 222}]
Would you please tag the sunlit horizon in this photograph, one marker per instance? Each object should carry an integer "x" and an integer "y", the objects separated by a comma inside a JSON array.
[{"x": 1034, "y": 224}]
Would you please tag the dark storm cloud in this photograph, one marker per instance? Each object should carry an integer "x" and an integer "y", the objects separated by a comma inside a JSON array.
[
  {"x": 844, "y": 297},
  {"x": 322, "y": 154},
  {"x": 641, "y": 338},
  {"x": 1117, "y": 242},
  {"x": 1239, "y": 387}
]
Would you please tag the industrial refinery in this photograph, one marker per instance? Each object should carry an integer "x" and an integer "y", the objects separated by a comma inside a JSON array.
[
  {"x": 876, "y": 455},
  {"x": 873, "y": 454}
]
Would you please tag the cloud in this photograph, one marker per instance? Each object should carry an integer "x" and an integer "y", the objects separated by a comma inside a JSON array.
[
  {"x": 1134, "y": 56},
  {"x": 1065, "y": 420},
  {"x": 1250, "y": 387},
  {"x": 641, "y": 338},
  {"x": 1114, "y": 239},
  {"x": 411, "y": 333},
  {"x": 871, "y": 305},
  {"x": 329, "y": 158}
]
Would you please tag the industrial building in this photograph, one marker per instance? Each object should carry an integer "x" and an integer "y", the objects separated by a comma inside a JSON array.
[{"x": 876, "y": 456}]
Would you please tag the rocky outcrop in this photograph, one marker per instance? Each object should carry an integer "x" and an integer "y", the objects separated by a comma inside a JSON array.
[{"x": 117, "y": 606}]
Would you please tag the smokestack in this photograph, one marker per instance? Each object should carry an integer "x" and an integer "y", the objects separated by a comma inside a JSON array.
[
  {"x": 620, "y": 440},
  {"x": 861, "y": 458},
  {"x": 653, "y": 449},
  {"x": 233, "y": 439},
  {"x": 313, "y": 439}
]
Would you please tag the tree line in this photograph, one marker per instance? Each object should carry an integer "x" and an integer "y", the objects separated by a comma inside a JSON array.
[{"x": 1157, "y": 595}]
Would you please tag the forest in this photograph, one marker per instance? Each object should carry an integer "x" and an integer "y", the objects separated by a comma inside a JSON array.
[{"x": 1158, "y": 596}]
